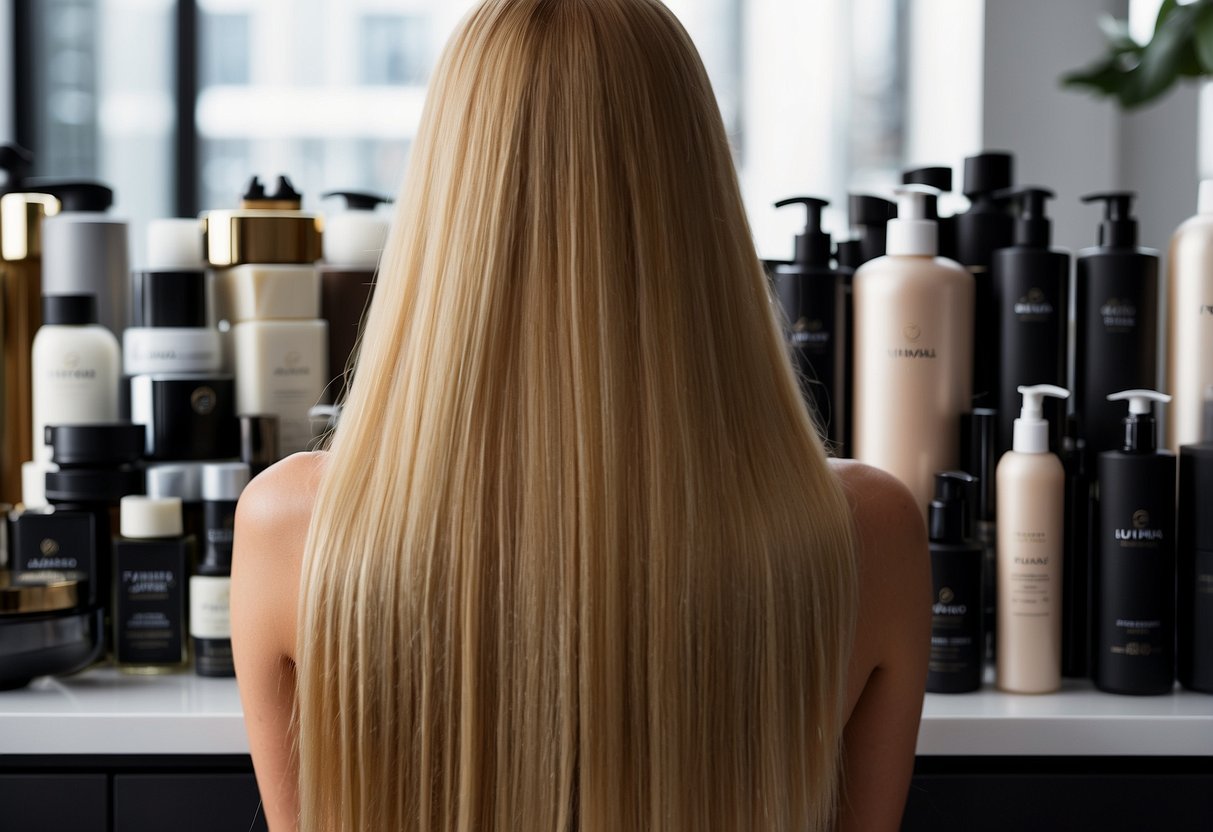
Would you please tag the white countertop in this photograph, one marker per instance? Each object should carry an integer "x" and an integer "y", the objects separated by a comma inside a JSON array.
[{"x": 105, "y": 712}]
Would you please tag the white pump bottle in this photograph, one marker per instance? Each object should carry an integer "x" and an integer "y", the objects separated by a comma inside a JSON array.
[{"x": 1031, "y": 540}]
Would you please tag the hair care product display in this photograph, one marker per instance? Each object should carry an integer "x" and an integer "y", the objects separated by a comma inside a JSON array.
[
  {"x": 812, "y": 299},
  {"x": 1135, "y": 568},
  {"x": 957, "y": 643},
  {"x": 913, "y": 343},
  {"x": 1189, "y": 329}
]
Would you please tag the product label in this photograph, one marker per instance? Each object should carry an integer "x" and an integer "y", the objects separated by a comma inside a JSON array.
[
  {"x": 1033, "y": 307},
  {"x": 1032, "y": 587},
  {"x": 956, "y": 643},
  {"x": 210, "y": 607},
  {"x": 911, "y": 334},
  {"x": 70, "y": 368},
  {"x": 1141, "y": 535},
  {"x": 149, "y": 613},
  {"x": 292, "y": 365},
  {"x": 1133, "y": 624},
  {"x": 1119, "y": 315},
  {"x": 806, "y": 333}
]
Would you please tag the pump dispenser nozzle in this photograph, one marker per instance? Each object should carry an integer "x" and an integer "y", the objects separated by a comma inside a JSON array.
[
  {"x": 986, "y": 173},
  {"x": 912, "y": 233},
  {"x": 812, "y": 244},
  {"x": 358, "y": 200},
  {"x": 284, "y": 198},
  {"x": 937, "y": 177},
  {"x": 1119, "y": 228},
  {"x": 950, "y": 515},
  {"x": 1031, "y": 434},
  {"x": 1141, "y": 433},
  {"x": 1032, "y": 226}
]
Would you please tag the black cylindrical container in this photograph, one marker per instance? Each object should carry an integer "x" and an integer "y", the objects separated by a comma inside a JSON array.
[
  {"x": 957, "y": 646},
  {"x": 1135, "y": 570},
  {"x": 1116, "y": 323},
  {"x": 1031, "y": 294},
  {"x": 980, "y": 231},
  {"x": 1076, "y": 558},
  {"x": 979, "y": 456},
  {"x": 812, "y": 298},
  {"x": 210, "y": 587},
  {"x": 1195, "y": 568}
]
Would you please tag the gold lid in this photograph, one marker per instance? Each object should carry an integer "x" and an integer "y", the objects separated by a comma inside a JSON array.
[
  {"x": 39, "y": 592},
  {"x": 259, "y": 235},
  {"x": 21, "y": 216}
]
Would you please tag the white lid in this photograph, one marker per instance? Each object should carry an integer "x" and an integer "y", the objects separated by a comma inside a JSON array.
[
  {"x": 174, "y": 244},
  {"x": 1204, "y": 202},
  {"x": 1031, "y": 435},
  {"x": 33, "y": 483},
  {"x": 355, "y": 238},
  {"x": 911, "y": 233},
  {"x": 150, "y": 517}
]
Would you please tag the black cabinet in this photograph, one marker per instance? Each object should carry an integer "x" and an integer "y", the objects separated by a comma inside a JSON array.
[
  {"x": 186, "y": 802},
  {"x": 54, "y": 802}
]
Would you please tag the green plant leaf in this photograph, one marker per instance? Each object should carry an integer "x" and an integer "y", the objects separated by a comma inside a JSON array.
[
  {"x": 1164, "y": 12},
  {"x": 1117, "y": 33},
  {"x": 1203, "y": 31},
  {"x": 1162, "y": 56}
]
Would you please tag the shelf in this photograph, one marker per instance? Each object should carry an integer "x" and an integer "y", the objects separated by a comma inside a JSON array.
[{"x": 105, "y": 712}]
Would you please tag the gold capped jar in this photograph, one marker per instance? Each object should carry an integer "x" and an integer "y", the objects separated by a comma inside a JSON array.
[
  {"x": 21, "y": 216},
  {"x": 266, "y": 228},
  {"x": 37, "y": 593}
]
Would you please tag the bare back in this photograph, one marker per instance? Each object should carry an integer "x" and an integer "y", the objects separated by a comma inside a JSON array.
[{"x": 887, "y": 667}]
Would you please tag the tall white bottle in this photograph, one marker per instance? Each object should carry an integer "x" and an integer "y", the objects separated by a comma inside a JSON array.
[
  {"x": 76, "y": 368},
  {"x": 1190, "y": 322},
  {"x": 913, "y": 351},
  {"x": 1031, "y": 539}
]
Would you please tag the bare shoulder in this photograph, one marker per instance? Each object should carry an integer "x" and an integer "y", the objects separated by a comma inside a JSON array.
[
  {"x": 882, "y": 507},
  {"x": 272, "y": 520}
]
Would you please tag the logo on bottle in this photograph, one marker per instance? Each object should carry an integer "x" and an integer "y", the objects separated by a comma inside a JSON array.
[
  {"x": 203, "y": 400},
  {"x": 141, "y": 581},
  {"x": 49, "y": 547},
  {"x": 1034, "y": 305},
  {"x": 1141, "y": 531},
  {"x": 805, "y": 332},
  {"x": 50, "y": 558},
  {"x": 292, "y": 365},
  {"x": 911, "y": 332},
  {"x": 1025, "y": 561},
  {"x": 944, "y": 605},
  {"x": 71, "y": 369},
  {"x": 1119, "y": 314}
]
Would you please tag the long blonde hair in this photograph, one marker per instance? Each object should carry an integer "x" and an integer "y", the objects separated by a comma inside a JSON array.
[{"x": 577, "y": 561}]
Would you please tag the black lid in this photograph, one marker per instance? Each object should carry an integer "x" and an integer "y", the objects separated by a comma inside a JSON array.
[
  {"x": 848, "y": 254},
  {"x": 1119, "y": 228},
  {"x": 979, "y": 456},
  {"x": 866, "y": 210},
  {"x": 358, "y": 200},
  {"x": 169, "y": 298},
  {"x": 258, "y": 440},
  {"x": 812, "y": 244},
  {"x": 69, "y": 310},
  {"x": 97, "y": 445},
  {"x": 937, "y": 177},
  {"x": 92, "y": 485},
  {"x": 74, "y": 195},
  {"x": 1032, "y": 226},
  {"x": 1207, "y": 432},
  {"x": 949, "y": 514},
  {"x": 18, "y": 162},
  {"x": 988, "y": 172},
  {"x": 1195, "y": 496},
  {"x": 284, "y": 191}
]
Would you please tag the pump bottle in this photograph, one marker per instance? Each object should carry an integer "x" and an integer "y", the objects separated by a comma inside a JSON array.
[
  {"x": 940, "y": 178},
  {"x": 1031, "y": 292},
  {"x": 1031, "y": 527},
  {"x": 980, "y": 231},
  {"x": 869, "y": 218},
  {"x": 913, "y": 345},
  {"x": 811, "y": 297},
  {"x": 1190, "y": 322},
  {"x": 1115, "y": 317},
  {"x": 1135, "y": 570},
  {"x": 957, "y": 644}
]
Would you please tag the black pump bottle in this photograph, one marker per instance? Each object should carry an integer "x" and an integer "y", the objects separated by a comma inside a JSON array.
[
  {"x": 980, "y": 231},
  {"x": 1135, "y": 569},
  {"x": 939, "y": 178},
  {"x": 1116, "y": 320},
  {"x": 957, "y": 645},
  {"x": 1030, "y": 286},
  {"x": 812, "y": 298}
]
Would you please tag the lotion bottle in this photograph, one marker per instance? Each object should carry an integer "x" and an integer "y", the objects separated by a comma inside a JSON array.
[
  {"x": 1135, "y": 568},
  {"x": 913, "y": 347},
  {"x": 811, "y": 298},
  {"x": 1190, "y": 322},
  {"x": 957, "y": 643},
  {"x": 1031, "y": 538}
]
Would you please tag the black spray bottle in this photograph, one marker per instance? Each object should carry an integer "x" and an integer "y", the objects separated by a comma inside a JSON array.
[
  {"x": 1116, "y": 322},
  {"x": 1135, "y": 570},
  {"x": 980, "y": 231},
  {"x": 957, "y": 645},
  {"x": 1194, "y": 625},
  {"x": 1031, "y": 292},
  {"x": 812, "y": 297},
  {"x": 939, "y": 178}
]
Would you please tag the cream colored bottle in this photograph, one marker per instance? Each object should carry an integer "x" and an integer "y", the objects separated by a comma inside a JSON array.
[
  {"x": 1031, "y": 507},
  {"x": 1190, "y": 323},
  {"x": 913, "y": 351}
]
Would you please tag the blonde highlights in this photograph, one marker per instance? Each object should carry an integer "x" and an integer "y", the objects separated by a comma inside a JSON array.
[{"x": 577, "y": 560}]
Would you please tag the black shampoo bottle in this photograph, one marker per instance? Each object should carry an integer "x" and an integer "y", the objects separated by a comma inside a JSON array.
[{"x": 957, "y": 646}]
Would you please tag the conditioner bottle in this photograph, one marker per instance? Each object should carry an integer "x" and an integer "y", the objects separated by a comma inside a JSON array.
[
  {"x": 913, "y": 346},
  {"x": 1031, "y": 495},
  {"x": 1135, "y": 568},
  {"x": 957, "y": 645},
  {"x": 1190, "y": 322}
]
